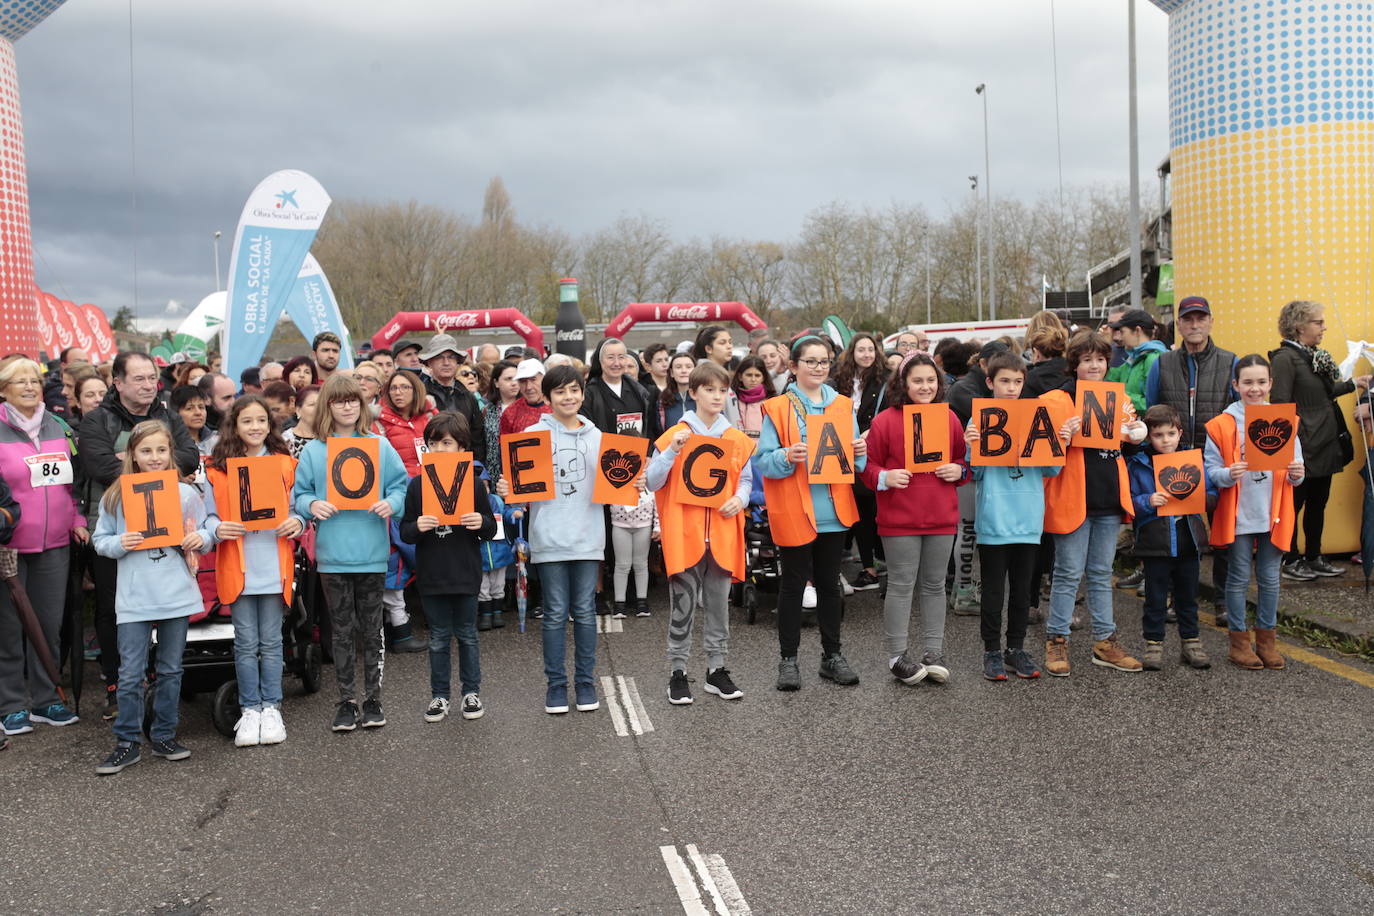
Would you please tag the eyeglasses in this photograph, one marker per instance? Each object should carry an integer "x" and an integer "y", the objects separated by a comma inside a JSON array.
[
  {"x": 816, "y": 363},
  {"x": 467, "y": 373},
  {"x": 907, "y": 347}
]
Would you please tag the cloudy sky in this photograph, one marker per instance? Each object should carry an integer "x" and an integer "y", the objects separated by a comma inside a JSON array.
[{"x": 732, "y": 118}]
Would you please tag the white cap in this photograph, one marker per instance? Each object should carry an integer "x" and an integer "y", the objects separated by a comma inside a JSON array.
[{"x": 529, "y": 368}]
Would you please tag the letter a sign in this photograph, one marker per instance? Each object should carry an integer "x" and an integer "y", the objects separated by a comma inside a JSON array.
[{"x": 829, "y": 448}]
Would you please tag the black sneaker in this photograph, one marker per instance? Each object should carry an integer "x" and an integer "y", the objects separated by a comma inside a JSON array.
[
  {"x": 619, "y": 613},
  {"x": 908, "y": 670},
  {"x": 124, "y": 755},
  {"x": 1321, "y": 567},
  {"x": 642, "y": 608},
  {"x": 1133, "y": 580},
  {"x": 835, "y": 668},
  {"x": 346, "y": 718},
  {"x": 472, "y": 706},
  {"x": 373, "y": 717},
  {"x": 1298, "y": 571},
  {"x": 168, "y": 749},
  {"x": 994, "y": 669},
  {"x": 936, "y": 670},
  {"x": 679, "y": 693},
  {"x": 1019, "y": 662},
  {"x": 789, "y": 674},
  {"x": 111, "y": 703},
  {"x": 719, "y": 683},
  {"x": 865, "y": 581}
]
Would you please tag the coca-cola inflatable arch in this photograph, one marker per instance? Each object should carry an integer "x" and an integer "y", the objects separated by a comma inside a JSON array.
[
  {"x": 462, "y": 320},
  {"x": 637, "y": 312}
]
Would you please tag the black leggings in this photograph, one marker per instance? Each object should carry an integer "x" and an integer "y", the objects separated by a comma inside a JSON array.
[
  {"x": 1313, "y": 493},
  {"x": 819, "y": 563},
  {"x": 866, "y": 528}
]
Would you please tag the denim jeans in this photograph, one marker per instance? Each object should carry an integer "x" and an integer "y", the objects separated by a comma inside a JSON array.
[
  {"x": 569, "y": 588},
  {"x": 1255, "y": 550},
  {"x": 450, "y": 616},
  {"x": 1090, "y": 548},
  {"x": 134, "y": 639},
  {"x": 257, "y": 649}
]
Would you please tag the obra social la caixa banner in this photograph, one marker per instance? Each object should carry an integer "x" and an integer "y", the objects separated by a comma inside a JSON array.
[{"x": 275, "y": 232}]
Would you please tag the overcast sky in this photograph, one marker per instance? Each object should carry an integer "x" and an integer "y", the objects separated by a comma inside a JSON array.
[{"x": 731, "y": 118}]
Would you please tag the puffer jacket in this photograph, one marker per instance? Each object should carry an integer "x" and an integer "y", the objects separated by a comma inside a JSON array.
[
  {"x": 402, "y": 433},
  {"x": 48, "y": 514}
]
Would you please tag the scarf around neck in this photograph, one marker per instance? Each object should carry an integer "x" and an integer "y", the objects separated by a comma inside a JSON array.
[
  {"x": 751, "y": 395},
  {"x": 29, "y": 426},
  {"x": 1322, "y": 364}
]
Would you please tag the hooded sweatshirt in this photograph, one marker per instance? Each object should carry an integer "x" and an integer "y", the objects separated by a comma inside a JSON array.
[
  {"x": 153, "y": 584},
  {"x": 773, "y": 463},
  {"x": 1135, "y": 371},
  {"x": 570, "y": 526},
  {"x": 662, "y": 463},
  {"x": 1254, "y": 510},
  {"x": 352, "y": 540}
]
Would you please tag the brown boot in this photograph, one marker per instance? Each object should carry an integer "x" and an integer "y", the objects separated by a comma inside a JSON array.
[
  {"x": 1240, "y": 653},
  {"x": 1266, "y": 650}
]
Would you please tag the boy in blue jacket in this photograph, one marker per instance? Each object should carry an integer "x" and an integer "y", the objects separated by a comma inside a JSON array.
[{"x": 1169, "y": 546}]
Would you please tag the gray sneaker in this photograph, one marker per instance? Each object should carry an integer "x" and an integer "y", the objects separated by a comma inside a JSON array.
[
  {"x": 1153, "y": 656},
  {"x": 936, "y": 669},
  {"x": 907, "y": 670},
  {"x": 835, "y": 668},
  {"x": 789, "y": 674},
  {"x": 1193, "y": 655}
]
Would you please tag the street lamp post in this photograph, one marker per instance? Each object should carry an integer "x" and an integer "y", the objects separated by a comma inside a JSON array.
[
  {"x": 218, "y": 285},
  {"x": 977, "y": 245},
  {"x": 1136, "y": 292},
  {"x": 982, "y": 90}
]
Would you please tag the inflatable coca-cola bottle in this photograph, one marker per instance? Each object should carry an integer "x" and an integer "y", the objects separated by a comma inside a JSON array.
[{"x": 570, "y": 330}]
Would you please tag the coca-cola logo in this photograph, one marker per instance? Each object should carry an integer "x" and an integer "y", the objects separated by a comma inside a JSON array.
[
  {"x": 394, "y": 330},
  {"x": 64, "y": 334},
  {"x": 83, "y": 337},
  {"x": 687, "y": 313},
  {"x": 460, "y": 320},
  {"x": 44, "y": 329},
  {"x": 102, "y": 340},
  {"x": 575, "y": 334},
  {"x": 521, "y": 327}
]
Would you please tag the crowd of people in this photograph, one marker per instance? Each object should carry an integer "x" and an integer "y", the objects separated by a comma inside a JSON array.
[{"x": 973, "y": 539}]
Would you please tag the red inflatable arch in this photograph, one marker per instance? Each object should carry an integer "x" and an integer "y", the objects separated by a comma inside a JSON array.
[
  {"x": 636, "y": 312},
  {"x": 460, "y": 321}
]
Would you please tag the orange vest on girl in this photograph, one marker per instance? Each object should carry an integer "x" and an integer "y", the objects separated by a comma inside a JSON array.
[
  {"x": 229, "y": 554},
  {"x": 687, "y": 529},
  {"x": 1222, "y": 431},
  {"x": 1066, "y": 493},
  {"x": 791, "y": 517}
]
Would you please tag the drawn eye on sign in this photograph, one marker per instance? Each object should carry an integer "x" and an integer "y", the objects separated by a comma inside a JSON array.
[
  {"x": 1178, "y": 475},
  {"x": 1270, "y": 433}
]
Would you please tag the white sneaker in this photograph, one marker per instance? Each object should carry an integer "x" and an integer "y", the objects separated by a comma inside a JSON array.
[
  {"x": 248, "y": 730},
  {"x": 844, "y": 584},
  {"x": 472, "y": 706},
  {"x": 437, "y": 710},
  {"x": 273, "y": 729},
  {"x": 809, "y": 596}
]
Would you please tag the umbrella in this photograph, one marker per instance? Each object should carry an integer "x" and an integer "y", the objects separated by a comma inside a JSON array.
[
  {"x": 522, "y": 578},
  {"x": 76, "y": 645},
  {"x": 1367, "y": 521},
  {"x": 33, "y": 630}
]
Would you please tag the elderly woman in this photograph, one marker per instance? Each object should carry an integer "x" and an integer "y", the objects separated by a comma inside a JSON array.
[
  {"x": 36, "y": 464},
  {"x": 1306, "y": 375}
]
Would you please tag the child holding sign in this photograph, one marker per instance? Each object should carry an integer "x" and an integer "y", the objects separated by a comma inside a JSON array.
[
  {"x": 567, "y": 541},
  {"x": 808, "y": 520},
  {"x": 255, "y": 569},
  {"x": 155, "y": 588},
  {"x": 449, "y": 568},
  {"x": 1009, "y": 520},
  {"x": 351, "y": 545},
  {"x": 918, "y": 513},
  {"x": 1085, "y": 505},
  {"x": 1169, "y": 545},
  {"x": 705, "y": 550},
  {"x": 1253, "y": 518}
]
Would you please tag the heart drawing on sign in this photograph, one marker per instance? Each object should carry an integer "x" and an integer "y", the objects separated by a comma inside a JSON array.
[
  {"x": 620, "y": 467},
  {"x": 1270, "y": 436},
  {"x": 1180, "y": 482}
]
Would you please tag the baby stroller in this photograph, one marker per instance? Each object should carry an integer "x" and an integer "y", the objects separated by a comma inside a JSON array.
[
  {"x": 208, "y": 663},
  {"x": 762, "y": 567}
]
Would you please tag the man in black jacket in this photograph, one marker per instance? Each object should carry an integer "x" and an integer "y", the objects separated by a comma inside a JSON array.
[
  {"x": 104, "y": 432},
  {"x": 442, "y": 358}
]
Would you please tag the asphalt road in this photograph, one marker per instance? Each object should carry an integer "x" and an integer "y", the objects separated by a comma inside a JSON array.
[{"x": 1181, "y": 791}]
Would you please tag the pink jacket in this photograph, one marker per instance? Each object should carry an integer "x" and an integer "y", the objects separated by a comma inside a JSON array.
[{"x": 47, "y": 513}]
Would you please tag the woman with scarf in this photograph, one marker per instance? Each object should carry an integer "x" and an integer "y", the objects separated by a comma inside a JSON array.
[{"x": 1306, "y": 375}]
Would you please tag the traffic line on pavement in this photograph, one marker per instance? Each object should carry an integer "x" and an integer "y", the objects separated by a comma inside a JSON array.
[
  {"x": 708, "y": 881},
  {"x": 1307, "y": 657},
  {"x": 628, "y": 715},
  {"x": 606, "y": 624}
]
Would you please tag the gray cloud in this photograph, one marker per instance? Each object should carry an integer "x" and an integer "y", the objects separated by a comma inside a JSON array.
[{"x": 721, "y": 118}]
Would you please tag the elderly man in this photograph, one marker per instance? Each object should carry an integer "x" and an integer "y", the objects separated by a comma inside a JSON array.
[
  {"x": 407, "y": 354},
  {"x": 327, "y": 348},
  {"x": 442, "y": 357},
  {"x": 525, "y": 412},
  {"x": 269, "y": 373},
  {"x": 489, "y": 354}
]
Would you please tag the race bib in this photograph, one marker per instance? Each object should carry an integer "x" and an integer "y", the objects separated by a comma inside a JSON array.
[
  {"x": 49, "y": 470},
  {"x": 420, "y": 447},
  {"x": 500, "y": 534},
  {"x": 200, "y": 471},
  {"x": 629, "y": 424}
]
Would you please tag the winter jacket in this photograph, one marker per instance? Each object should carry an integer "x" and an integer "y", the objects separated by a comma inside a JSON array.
[
  {"x": 928, "y": 505},
  {"x": 1296, "y": 383},
  {"x": 448, "y": 559},
  {"x": 9, "y": 513},
  {"x": 352, "y": 540},
  {"x": 404, "y": 434},
  {"x": 570, "y": 526},
  {"x": 1157, "y": 535},
  {"x": 1258, "y": 502},
  {"x": 974, "y": 384},
  {"x": 1197, "y": 385},
  {"x": 520, "y": 416},
  {"x": 105, "y": 431},
  {"x": 49, "y": 512},
  {"x": 1136, "y": 369},
  {"x": 457, "y": 398},
  {"x": 626, "y": 413},
  {"x": 1045, "y": 376}
]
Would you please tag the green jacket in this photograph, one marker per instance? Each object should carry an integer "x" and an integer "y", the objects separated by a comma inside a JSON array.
[{"x": 1135, "y": 370}]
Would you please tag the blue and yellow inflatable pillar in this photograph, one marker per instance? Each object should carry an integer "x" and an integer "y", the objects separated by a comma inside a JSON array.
[{"x": 1271, "y": 121}]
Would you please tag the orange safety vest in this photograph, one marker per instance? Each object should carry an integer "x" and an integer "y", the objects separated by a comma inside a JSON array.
[
  {"x": 1222, "y": 430},
  {"x": 1066, "y": 493},
  {"x": 229, "y": 554},
  {"x": 687, "y": 529},
  {"x": 791, "y": 517}
]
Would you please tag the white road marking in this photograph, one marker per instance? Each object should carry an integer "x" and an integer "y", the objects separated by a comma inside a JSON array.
[
  {"x": 627, "y": 710},
  {"x": 606, "y": 624},
  {"x": 617, "y": 717},
  {"x": 712, "y": 881},
  {"x": 637, "y": 704}
]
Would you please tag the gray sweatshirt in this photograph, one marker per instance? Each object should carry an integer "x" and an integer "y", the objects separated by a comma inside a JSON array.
[
  {"x": 570, "y": 526},
  {"x": 1254, "y": 514}
]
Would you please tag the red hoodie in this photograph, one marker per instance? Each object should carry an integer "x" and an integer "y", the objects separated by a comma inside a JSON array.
[
  {"x": 403, "y": 434},
  {"x": 928, "y": 505}
]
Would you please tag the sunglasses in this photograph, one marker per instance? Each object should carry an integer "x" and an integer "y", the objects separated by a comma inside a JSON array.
[{"x": 467, "y": 373}]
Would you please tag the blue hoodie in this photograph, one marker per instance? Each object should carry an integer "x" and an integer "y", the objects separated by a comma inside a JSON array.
[
  {"x": 570, "y": 526},
  {"x": 153, "y": 584},
  {"x": 352, "y": 540},
  {"x": 771, "y": 460}
]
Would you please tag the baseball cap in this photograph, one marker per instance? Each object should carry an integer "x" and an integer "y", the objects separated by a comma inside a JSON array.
[
  {"x": 1135, "y": 318},
  {"x": 528, "y": 368},
  {"x": 1194, "y": 305},
  {"x": 403, "y": 345}
]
